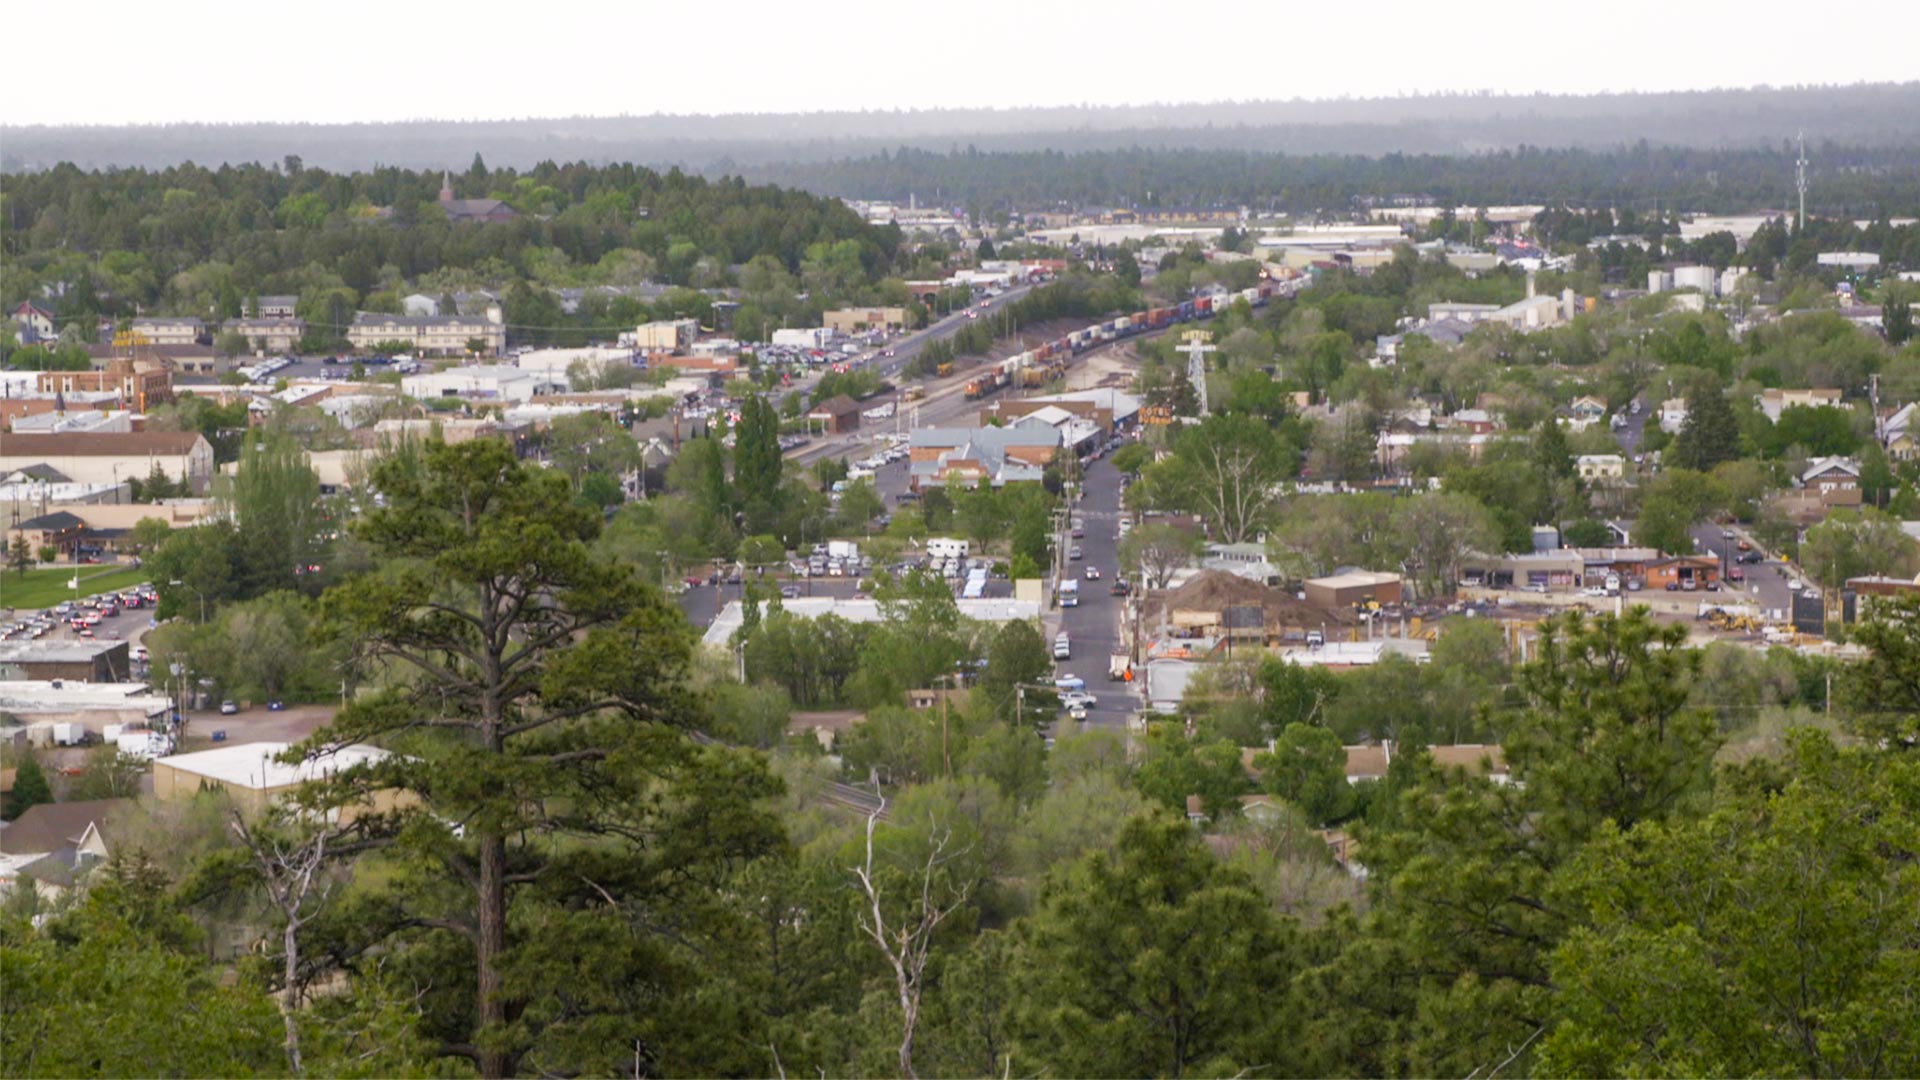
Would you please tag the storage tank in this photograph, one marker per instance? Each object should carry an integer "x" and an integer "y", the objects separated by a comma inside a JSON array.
[{"x": 1694, "y": 277}]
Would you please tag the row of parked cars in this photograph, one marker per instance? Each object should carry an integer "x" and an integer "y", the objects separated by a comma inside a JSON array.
[{"x": 80, "y": 616}]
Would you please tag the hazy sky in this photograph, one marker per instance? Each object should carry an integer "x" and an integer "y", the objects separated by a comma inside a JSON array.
[{"x": 226, "y": 60}]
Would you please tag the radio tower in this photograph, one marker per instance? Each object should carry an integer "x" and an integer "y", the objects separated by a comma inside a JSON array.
[
  {"x": 1800, "y": 180},
  {"x": 1197, "y": 348}
]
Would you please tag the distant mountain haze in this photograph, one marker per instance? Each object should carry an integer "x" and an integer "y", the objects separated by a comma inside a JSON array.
[{"x": 1874, "y": 115}]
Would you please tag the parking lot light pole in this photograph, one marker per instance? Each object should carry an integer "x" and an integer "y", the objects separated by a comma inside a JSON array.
[{"x": 197, "y": 593}]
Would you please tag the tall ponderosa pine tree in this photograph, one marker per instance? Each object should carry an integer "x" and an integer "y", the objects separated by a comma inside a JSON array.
[
  {"x": 1710, "y": 434},
  {"x": 564, "y": 822}
]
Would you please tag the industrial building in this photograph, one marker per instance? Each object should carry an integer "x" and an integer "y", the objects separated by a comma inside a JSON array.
[
  {"x": 78, "y": 659},
  {"x": 253, "y": 776},
  {"x": 1354, "y": 587}
]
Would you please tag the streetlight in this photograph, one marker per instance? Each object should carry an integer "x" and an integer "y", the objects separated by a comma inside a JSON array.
[{"x": 196, "y": 592}]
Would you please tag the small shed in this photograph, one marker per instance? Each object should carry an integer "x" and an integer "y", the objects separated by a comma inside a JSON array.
[{"x": 838, "y": 413}]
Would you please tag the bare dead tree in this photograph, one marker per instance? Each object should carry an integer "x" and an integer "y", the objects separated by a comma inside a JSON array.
[
  {"x": 907, "y": 943},
  {"x": 290, "y": 868}
]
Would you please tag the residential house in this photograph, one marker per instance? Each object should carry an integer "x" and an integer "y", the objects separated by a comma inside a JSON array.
[
  {"x": 53, "y": 845},
  {"x": 1587, "y": 407},
  {"x": 33, "y": 324},
  {"x": 1602, "y": 468},
  {"x": 112, "y": 458},
  {"x": 171, "y": 330},
  {"x": 276, "y": 307},
  {"x": 1835, "y": 479},
  {"x": 431, "y": 335},
  {"x": 481, "y": 210},
  {"x": 1673, "y": 413},
  {"x": 1473, "y": 422},
  {"x": 1773, "y": 402},
  {"x": 268, "y": 335},
  {"x": 1900, "y": 434}
]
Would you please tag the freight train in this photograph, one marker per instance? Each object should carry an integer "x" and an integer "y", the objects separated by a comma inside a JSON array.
[{"x": 1049, "y": 361}]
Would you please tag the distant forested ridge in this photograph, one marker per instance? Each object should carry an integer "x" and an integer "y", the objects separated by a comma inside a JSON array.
[
  {"x": 1853, "y": 181},
  {"x": 1867, "y": 115},
  {"x": 202, "y": 241}
]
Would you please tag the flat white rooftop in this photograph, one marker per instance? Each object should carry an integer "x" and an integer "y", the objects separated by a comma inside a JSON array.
[
  {"x": 253, "y": 765},
  {"x": 27, "y": 697}
]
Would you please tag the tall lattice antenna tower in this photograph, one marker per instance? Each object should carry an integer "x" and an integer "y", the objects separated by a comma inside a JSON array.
[
  {"x": 1800, "y": 180},
  {"x": 1197, "y": 348}
]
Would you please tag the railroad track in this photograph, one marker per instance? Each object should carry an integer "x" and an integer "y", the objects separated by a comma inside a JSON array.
[{"x": 857, "y": 799}]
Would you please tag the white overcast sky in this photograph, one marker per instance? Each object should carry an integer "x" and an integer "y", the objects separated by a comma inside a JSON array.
[{"x": 352, "y": 60}]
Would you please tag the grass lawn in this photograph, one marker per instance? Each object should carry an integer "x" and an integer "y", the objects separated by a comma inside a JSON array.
[{"x": 47, "y": 586}]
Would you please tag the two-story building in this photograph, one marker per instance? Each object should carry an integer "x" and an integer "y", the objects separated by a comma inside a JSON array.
[
  {"x": 268, "y": 335},
  {"x": 275, "y": 307},
  {"x": 431, "y": 335},
  {"x": 1601, "y": 467},
  {"x": 1835, "y": 479},
  {"x": 169, "y": 330},
  {"x": 33, "y": 323},
  {"x": 1773, "y": 402}
]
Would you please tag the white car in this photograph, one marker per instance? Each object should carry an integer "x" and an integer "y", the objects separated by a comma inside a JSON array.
[
  {"x": 1078, "y": 698},
  {"x": 1593, "y": 590},
  {"x": 1093, "y": 573}
]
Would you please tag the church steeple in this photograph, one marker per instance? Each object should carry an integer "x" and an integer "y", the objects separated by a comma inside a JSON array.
[{"x": 446, "y": 186}]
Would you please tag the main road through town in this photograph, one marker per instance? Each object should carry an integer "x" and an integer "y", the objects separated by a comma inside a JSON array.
[{"x": 1094, "y": 631}]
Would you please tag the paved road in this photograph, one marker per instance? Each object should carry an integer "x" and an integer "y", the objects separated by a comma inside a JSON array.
[
  {"x": 1093, "y": 628},
  {"x": 1628, "y": 435},
  {"x": 1767, "y": 582}
]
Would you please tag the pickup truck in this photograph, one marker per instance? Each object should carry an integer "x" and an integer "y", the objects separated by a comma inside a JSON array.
[{"x": 1118, "y": 666}]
